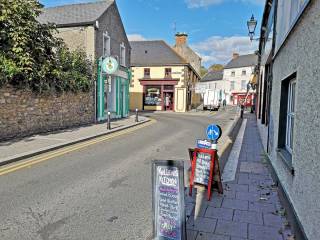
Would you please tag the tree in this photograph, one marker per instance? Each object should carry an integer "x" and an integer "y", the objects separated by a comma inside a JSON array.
[
  {"x": 203, "y": 71},
  {"x": 216, "y": 67},
  {"x": 30, "y": 54}
]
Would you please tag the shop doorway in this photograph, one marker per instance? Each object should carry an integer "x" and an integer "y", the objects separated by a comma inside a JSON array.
[{"x": 169, "y": 101}]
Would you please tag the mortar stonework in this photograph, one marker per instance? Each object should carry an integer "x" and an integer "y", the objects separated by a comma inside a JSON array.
[
  {"x": 23, "y": 113},
  {"x": 300, "y": 53}
]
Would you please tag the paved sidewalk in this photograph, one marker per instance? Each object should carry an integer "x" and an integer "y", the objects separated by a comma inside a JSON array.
[
  {"x": 249, "y": 208},
  {"x": 16, "y": 149}
]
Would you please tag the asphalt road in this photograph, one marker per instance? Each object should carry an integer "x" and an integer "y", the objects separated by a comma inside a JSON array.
[{"x": 99, "y": 192}]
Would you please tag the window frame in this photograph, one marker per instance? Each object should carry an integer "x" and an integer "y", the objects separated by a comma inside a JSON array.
[
  {"x": 245, "y": 84},
  {"x": 170, "y": 73},
  {"x": 290, "y": 115},
  {"x": 106, "y": 50},
  {"x": 233, "y": 73},
  {"x": 232, "y": 85},
  {"x": 144, "y": 73},
  {"x": 122, "y": 55},
  {"x": 244, "y": 73}
]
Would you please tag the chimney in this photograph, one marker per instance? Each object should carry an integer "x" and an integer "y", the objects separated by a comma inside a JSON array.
[
  {"x": 181, "y": 39},
  {"x": 235, "y": 55}
]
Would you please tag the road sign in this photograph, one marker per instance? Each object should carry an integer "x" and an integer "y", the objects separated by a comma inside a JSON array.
[
  {"x": 110, "y": 65},
  {"x": 214, "y": 132},
  {"x": 203, "y": 144}
]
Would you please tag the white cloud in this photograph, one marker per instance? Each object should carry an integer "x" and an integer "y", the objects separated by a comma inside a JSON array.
[
  {"x": 136, "y": 37},
  {"x": 217, "y": 49},
  {"x": 206, "y": 3}
]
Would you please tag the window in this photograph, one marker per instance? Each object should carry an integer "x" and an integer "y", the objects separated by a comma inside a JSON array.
[
  {"x": 106, "y": 45},
  {"x": 153, "y": 96},
  {"x": 122, "y": 55},
  {"x": 233, "y": 73},
  {"x": 231, "y": 85},
  {"x": 290, "y": 115},
  {"x": 167, "y": 73},
  {"x": 147, "y": 72},
  {"x": 288, "y": 13},
  {"x": 244, "y": 72},
  {"x": 243, "y": 85},
  {"x": 286, "y": 120}
]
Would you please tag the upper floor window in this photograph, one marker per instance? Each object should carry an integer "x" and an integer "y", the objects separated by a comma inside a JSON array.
[
  {"x": 147, "y": 72},
  {"x": 232, "y": 85},
  {"x": 244, "y": 72},
  {"x": 167, "y": 73},
  {"x": 122, "y": 54},
  {"x": 243, "y": 85},
  {"x": 233, "y": 73},
  {"x": 106, "y": 44}
]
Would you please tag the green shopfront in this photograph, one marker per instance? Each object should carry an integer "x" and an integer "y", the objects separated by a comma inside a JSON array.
[{"x": 113, "y": 94}]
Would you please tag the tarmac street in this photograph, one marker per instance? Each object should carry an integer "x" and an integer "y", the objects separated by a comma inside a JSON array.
[{"x": 98, "y": 191}]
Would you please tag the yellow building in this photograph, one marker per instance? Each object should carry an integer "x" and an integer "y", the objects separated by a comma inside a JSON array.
[{"x": 161, "y": 78}]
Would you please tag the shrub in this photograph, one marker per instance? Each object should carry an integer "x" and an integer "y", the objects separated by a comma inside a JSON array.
[{"x": 32, "y": 57}]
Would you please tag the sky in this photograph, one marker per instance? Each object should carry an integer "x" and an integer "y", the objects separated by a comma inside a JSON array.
[{"x": 216, "y": 28}]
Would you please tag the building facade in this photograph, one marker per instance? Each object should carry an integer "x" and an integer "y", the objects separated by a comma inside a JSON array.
[
  {"x": 288, "y": 106},
  {"x": 161, "y": 79},
  {"x": 236, "y": 76},
  {"x": 97, "y": 29}
]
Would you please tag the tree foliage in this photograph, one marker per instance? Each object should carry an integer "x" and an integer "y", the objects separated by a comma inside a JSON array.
[
  {"x": 216, "y": 67},
  {"x": 203, "y": 71},
  {"x": 32, "y": 57}
]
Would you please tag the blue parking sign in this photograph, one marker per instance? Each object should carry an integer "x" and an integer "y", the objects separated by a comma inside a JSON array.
[{"x": 213, "y": 132}]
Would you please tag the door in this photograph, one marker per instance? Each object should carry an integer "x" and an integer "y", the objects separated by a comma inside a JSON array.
[{"x": 169, "y": 101}]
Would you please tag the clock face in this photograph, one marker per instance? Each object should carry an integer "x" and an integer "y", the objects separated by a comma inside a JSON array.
[{"x": 109, "y": 65}]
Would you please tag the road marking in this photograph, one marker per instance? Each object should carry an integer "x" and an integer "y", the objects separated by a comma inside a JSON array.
[
  {"x": 57, "y": 153},
  {"x": 229, "y": 172}
]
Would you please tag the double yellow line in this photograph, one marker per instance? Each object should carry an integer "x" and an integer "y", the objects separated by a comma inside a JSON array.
[{"x": 57, "y": 153}]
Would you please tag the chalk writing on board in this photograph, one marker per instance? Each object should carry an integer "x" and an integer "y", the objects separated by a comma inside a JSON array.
[
  {"x": 168, "y": 203},
  {"x": 202, "y": 171}
]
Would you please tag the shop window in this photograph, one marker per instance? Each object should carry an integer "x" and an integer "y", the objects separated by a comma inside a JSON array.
[
  {"x": 153, "y": 96},
  {"x": 286, "y": 118},
  {"x": 147, "y": 72},
  {"x": 167, "y": 73}
]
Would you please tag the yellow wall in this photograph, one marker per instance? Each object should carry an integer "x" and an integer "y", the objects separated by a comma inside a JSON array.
[
  {"x": 79, "y": 38},
  {"x": 136, "y": 89},
  {"x": 180, "y": 93}
]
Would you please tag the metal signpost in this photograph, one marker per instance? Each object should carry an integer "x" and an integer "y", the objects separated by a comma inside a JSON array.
[{"x": 106, "y": 67}]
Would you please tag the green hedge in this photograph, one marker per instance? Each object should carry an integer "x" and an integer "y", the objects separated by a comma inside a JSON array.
[{"x": 32, "y": 57}]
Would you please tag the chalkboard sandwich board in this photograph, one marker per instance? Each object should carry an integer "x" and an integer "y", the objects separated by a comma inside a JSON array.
[
  {"x": 169, "y": 222},
  {"x": 202, "y": 168}
]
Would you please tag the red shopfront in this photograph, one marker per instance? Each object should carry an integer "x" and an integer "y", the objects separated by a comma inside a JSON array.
[
  {"x": 240, "y": 98},
  {"x": 159, "y": 94}
]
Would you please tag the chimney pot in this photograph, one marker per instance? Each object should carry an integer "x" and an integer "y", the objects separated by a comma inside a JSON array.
[
  {"x": 181, "y": 39},
  {"x": 235, "y": 55}
]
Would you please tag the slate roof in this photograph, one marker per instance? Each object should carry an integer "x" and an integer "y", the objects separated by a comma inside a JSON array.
[
  {"x": 243, "y": 61},
  {"x": 75, "y": 14},
  {"x": 154, "y": 53},
  {"x": 212, "y": 76}
]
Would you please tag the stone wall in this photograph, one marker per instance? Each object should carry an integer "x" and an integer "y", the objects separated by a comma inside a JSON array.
[{"x": 24, "y": 113}]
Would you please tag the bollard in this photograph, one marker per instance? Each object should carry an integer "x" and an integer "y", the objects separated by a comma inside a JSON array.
[
  {"x": 109, "y": 121},
  {"x": 241, "y": 112},
  {"x": 137, "y": 118}
]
